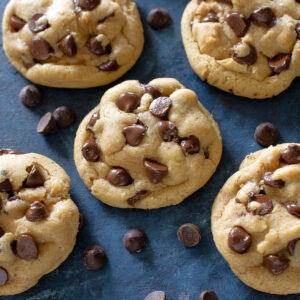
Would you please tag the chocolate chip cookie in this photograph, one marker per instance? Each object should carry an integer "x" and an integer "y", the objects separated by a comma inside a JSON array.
[
  {"x": 256, "y": 220},
  {"x": 72, "y": 43},
  {"x": 38, "y": 219},
  {"x": 251, "y": 49},
  {"x": 147, "y": 145}
]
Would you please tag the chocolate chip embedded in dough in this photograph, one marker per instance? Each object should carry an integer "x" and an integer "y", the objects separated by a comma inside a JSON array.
[
  {"x": 40, "y": 49},
  {"x": 237, "y": 23},
  {"x": 35, "y": 177},
  {"x": 67, "y": 45},
  {"x": 239, "y": 240},
  {"x": 155, "y": 171},
  {"x": 291, "y": 155},
  {"x": 265, "y": 205},
  {"x": 298, "y": 30},
  {"x": 91, "y": 151},
  {"x": 128, "y": 102},
  {"x": 96, "y": 47},
  {"x": 280, "y": 62},
  {"x": 3, "y": 276},
  {"x": 119, "y": 177},
  {"x": 263, "y": 16},
  {"x": 160, "y": 107},
  {"x": 275, "y": 264},
  {"x": 138, "y": 196},
  {"x": 292, "y": 246},
  {"x": 277, "y": 184},
  {"x": 88, "y": 4},
  {"x": 293, "y": 208},
  {"x": 168, "y": 131},
  {"x": 5, "y": 186},
  {"x": 35, "y": 24},
  {"x": 26, "y": 247},
  {"x": 17, "y": 23},
  {"x": 36, "y": 212},
  {"x": 109, "y": 66},
  {"x": 190, "y": 145},
  {"x": 134, "y": 134},
  {"x": 94, "y": 118},
  {"x": 211, "y": 17},
  {"x": 248, "y": 59},
  {"x": 152, "y": 90}
]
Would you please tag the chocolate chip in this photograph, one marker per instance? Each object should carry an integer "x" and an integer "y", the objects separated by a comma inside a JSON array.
[
  {"x": 128, "y": 102},
  {"x": 277, "y": 184},
  {"x": 138, "y": 196},
  {"x": 291, "y": 155},
  {"x": 189, "y": 235},
  {"x": 292, "y": 246},
  {"x": 34, "y": 178},
  {"x": 298, "y": 30},
  {"x": 160, "y": 107},
  {"x": 17, "y": 23},
  {"x": 30, "y": 95},
  {"x": 34, "y": 23},
  {"x": 225, "y": 1},
  {"x": 152, "y": 90},
  {"x": 119, "y": 177},
  {"x": 13, "y": 198},
  {"x": 1, "y": 232},
  {"x": 134, "y": 134},
  {"x": 239, "y": 240},
  {"x": 156, "y": 295},
  {"x": 190, "y": 145},
  {"x": 237, "y": 23},
  {"x": 5, "y": 186},
  {"x": 96, "y": 46},
  {"x": 91, "y": 151},
  {"x": 263, "y": 17},
  {"x": 249, "y": 59},
  {"x": 210, "y": 17},
  {"x": 280, "y": 63},
  {"x": 135, "y": 240},
  {"x": 26, "y": 247},
  {"x": 159, "y": 18},
  {"x": 88, "y": 4},
  {"x": 265, "y": 202},
  {"x": 275, "y": 264},
  {"x": 208, "y": 295},
  {"x": 67, "y": 45},
  {"x": 266, "y": 134},
  {"x": 293, "y": 208},
  {"x": 10, "y": 151},
  {"x": 36, "y": 212},
  {"x": 3, "y": 276},
  {"x": 168, "y": 131},
  {"x": 111, "y": 65},
  {"x": 40, "y": 49},
  {"x": 64, "y": 116},
  {"x": 94, "y": 118},
  {"x": 94, "y": 258},
  {"x": 81, "y": 221},
  {"x": 155, "y": 171},
  {"x": 47, "y": 124}
]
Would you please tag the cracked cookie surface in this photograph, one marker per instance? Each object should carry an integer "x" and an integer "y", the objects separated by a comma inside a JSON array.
[
  {"x": 38, "y": 219},
  {"x": 72, "y": 44},
  {"x": 249, "y": 49},
  {"x": 256, "y": 220},
  {"x": 147, "y": 146}
]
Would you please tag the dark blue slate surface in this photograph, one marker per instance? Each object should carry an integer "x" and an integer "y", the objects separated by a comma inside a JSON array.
[{"x": 165, "y": 264}]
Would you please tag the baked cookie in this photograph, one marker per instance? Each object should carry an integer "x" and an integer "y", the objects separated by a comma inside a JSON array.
[
  {"x": 38, "y": 219},
  {"x": 249, "y": 48},
  {"x": 147, "y": 146},
  {"x": 256, "y": 220},
  {"x": 72, "y": 43}
]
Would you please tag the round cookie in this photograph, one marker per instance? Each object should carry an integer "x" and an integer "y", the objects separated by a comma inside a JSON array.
[
  {"x": 256, "y": 220},
  {"x": 38, "y": 219},
  {"x": 147, "y": 146},
  {"x": 249, "y": 49},
  {"x": 72, "y": 44}
]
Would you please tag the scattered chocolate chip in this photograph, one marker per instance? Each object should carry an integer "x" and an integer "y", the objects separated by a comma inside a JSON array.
[
  {"x": 239, "y": 240},
  {"x": 17, "y": 23},
  {"x": 189, "y": 235},
  {"x": 160, "y": 107},
  {"x": 106, "y": 17},
  {"x": 94, "y": 258},
  {"x": 5, "y": 186},
  {"x": 47, "y": 124},
  {"x": 30, "y": 95},
  {"x": 119, "y": 177},
  {"x": 96, "y": 46},
  {"x": 135, "y": 240},
  {"x": 88, "y": 4},
  {"x": 275, "y": 264},
  {"x": 210, "y": 17},
  {"x": 225, "y": 1},
  {"x": 134, "y": 134},
  {"x": 208, "y": 295},
  {"x": 265, "y": 202},
  {"x": 156, "y": 295},
  {"x": 36, "y": 212},
  {"x": 159, "y": 18},
  {"x": 298, "y": 30},
  {"x": 34, "y": 23},
  {"x": 138, "y": 196},
  {"x": 10, "y": 151},
  {"x": 128, "y": 102},
  {"x": 1, "y": 232},
  {"x": 249, "y": 59},
  {"x": 190, "y": 145},
  {"x": 67, "y": 45},
  {"x": 81, "y": 221},
  {"x": 109, "y": 66},
  {"x": 94, "y": 118},
  {"x": 91, "y": 151},
  {"x": 152, "y": 90},
  {"x": 278, "y": 184},
  {"x": 266, "y": 134},
  {"x": 3, "y": 276},
  {"x": 34, "y": 178},
  {"x": 292, "y": 246},
  {"x": 293, "y": 208},
  {"x": 280, "y": 63},
  {"x": 26, "y": 247},
  {"x": 64, "y": 116},
  {"x": 155, "y": 171},
  {"x": 291, "y": 155},
  {"x": 13, "y": 198},
  {"x": 237, "y": 23},
  {"x": 263, "y": 17},
  {"x": 40, "y": 49},
  {"x": 168, "y": 131}
]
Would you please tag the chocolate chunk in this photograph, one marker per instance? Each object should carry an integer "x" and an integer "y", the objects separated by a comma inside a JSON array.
[
  {"x": 280, "y": 63},
  {"x": 208, "y": 295},
  {"x": 13, "y": 198},
  {"x": 94, "y": 118},
  {"x": 266, "y": 134},
  {"x": 275, "y": 264},
  {"x": 152, "y": 90},
  {"x": 1, "y": 231},
  {"x": 94, "y": 258},
  {"x": 249, "y": 59},
  {"x": 36, "y": 212},
  {"x": 40, "y": 49},
  {"x": 291, "y": 155},
  {"x": 67, "y": 45},
  {"x": 128, "y": 102},
  {"x": 263, "y": 17},
  {"x": 190, "y": 145},
  {"x": 168, "y": 131},
  {"x": 210, "y": 17},
  {"x": 34, "y": 23},
  {"x": 81, "y": 221},
  {"x": 156, "y": 295},
  {"x": 3, "y": 276},
  {"x": 155, "y": 171},
  {"x": 64, "y": 116},
  {"x": 88, "y": 4},
  {"x": 119, "y": 177},
  {"x": 26, "y": 247},
  {"x": 189, "y": 235},
  {"x": 298, "y": 30},
  {"x": 47, "y": 124},
  {"x": 10, "y": 151},
  {"x": 239, "y": 240},
  {"x": 265, "y": 202},
  {"x": 293, "y": 208},
  {"x": 159, "y": 18},
  {"x": 138, "y": 196},
  {"x": 17, "y": 23},
  {"x": 160, "y": 107},
  {"x": 91, "y": 151},
  {"x": 30, "y": 95},
  {"x": 237, "y": 23},
  {"x": 109, "y": 66},
  {"x": 278, "y": 184},
  {"x": 5, "y": 186},
  {"x": 292, "y": 246},
  {"x": 96, "y": 46},
  {"x": 134, "y": 134},
  {"x": 135, "y": 240},
  {"x": 34, "y": 178}
]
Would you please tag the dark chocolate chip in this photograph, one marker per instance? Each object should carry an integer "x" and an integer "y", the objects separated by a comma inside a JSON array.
[
  {"x": 298, "y": 30},
  {"x": 134, "y": 134},
  {"x": 34, "y": 178},
  {"x": 293, "y": 208},
  {"x": 280, "y": 62},
  {"x": 266, "y": 134},
  {"x": 263, "y": 16},
  {"x": 109, "y": 66},
  {"x": 160, "y": 107},
  {"x": 1, "y": 231},
  {"x": 275, "y": 264},
  {"x": 94, "y": 118},
  {"x": 265, "y": 202},
  {"x": 3, "y": 276},
  {"x": 13, "y": 198},
  {"x": 17, "y": 23},
  {"x": 5, "y": 186},
  {"x": 96, "y": 46},
  {"x": 159, "y": 18},
  {"x": 67, "y": 45},
  {"x": 30, "y": 95},
  {"x": 155, "y": 171},
  {"x": 152, "y": 90},
  {"x": 156, "y": 295},
  {"x": 277, "y": 184},
  {"x": 10, "y": 151},
  {"x": 291, "y": 155},
  {"x": 94, "y": 258},
  {"x": 168, "y": 131},
  {"x": 34, "y": 24},
  {"x": 138, "y": 196},
  {"x": 36, "y": 212},
  {"x": 239, "y": 240},
  {"x": 106, "y": 17},
  {"x": 208, "y": 295},
  {"x": 91, "y": 151},
  {"x": 64, "y": 116},
  {"x": 47, "y": 124},
  {"x": 225, "y": 1},
  {"x": 88, "y": 4},
  {"x": 249, "y": 59},
  {"x": 128, "y": 102},
  {"x": 135, "y": 240},
  {"x": 190, "y": 145},
  {"x": 210, "y": 17},
  {"x": 119, "y": 177},
  {"x": 292, "y": 246},
  {"x": 237, "y": 23},
  {"x": 26, "y": 247},
  {"x": 189, "y": 235},
  {"x": 40, "y": 49},
  {"x": 81, "y": 221}
]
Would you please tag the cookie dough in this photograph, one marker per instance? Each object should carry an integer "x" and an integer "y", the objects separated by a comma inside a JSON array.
[
  {"x": 72, "y": 43},
  {"x": 251, "y": 49},
  {"x": 38, "y": 219},
  {"x": 256, "y": 220},
  {"x": 147, "y": 146}
]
